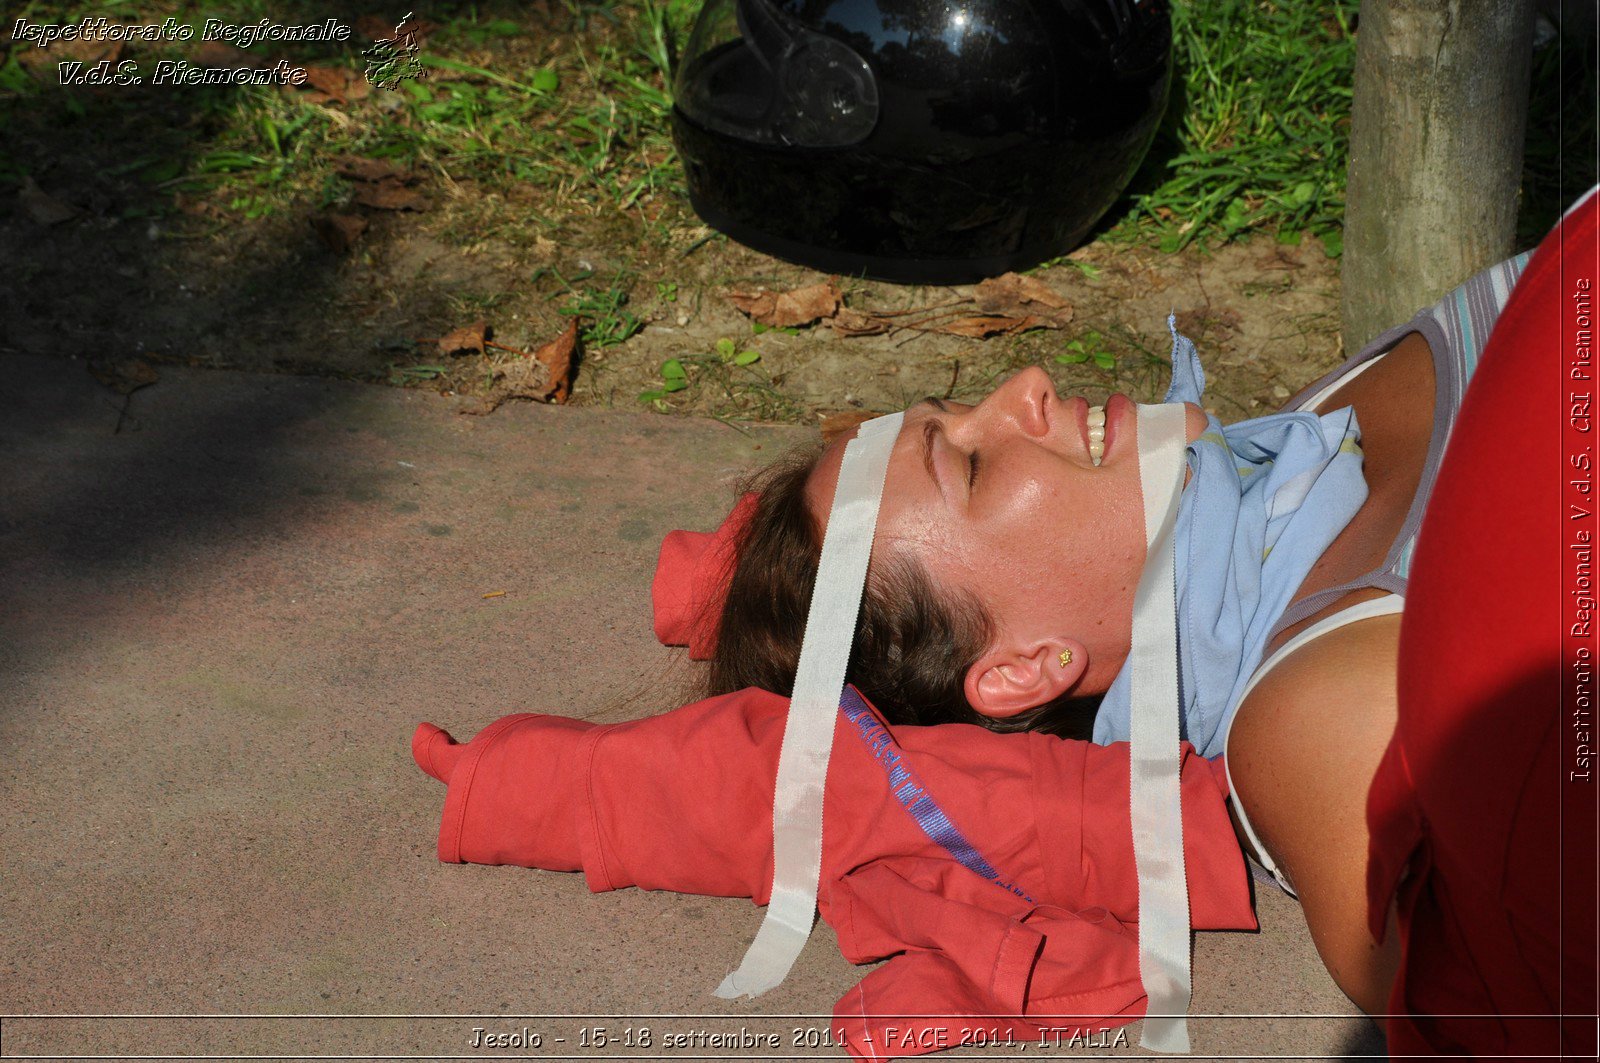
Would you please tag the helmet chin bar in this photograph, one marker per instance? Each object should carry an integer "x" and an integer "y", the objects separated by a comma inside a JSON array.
[{"x": 1154, "y": 795}]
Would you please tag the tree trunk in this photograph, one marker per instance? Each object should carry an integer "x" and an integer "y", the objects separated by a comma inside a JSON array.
[{"x": 1437, "y": 124}]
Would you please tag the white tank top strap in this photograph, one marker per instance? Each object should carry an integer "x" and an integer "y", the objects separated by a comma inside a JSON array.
[
  {"x": 1311, "y": 405},
  {"x": 1386, "y": 605}
]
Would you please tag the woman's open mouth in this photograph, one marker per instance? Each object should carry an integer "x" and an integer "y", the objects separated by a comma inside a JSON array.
[{"x": 1101, "y": 424}]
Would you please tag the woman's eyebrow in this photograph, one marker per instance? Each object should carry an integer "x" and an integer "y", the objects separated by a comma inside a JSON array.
[{"x": 930, "y": 428}]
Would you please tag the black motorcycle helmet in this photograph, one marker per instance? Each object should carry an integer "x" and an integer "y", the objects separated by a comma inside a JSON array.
[{"x": 920, "y": 141}]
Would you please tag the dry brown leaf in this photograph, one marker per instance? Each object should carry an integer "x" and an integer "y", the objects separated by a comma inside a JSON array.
[
  {"x": 87, "y": 51},
  {"x": 791, "y": 309},
  {"x": 848, "y": 322},
  {"x": 560, "y": 358},
  {"x": 544, "y": 376},
  {"x": 381, "y": 185},
  {"x": 339, "y": 231},
  {"x": 978, "y": 327},
  {"x": 335, "y": 83},
  {"x": 835, "y": 425},
  {"x": 467, "y": 339},
  {"x": 1033, "y": 322},
  {"x": 329, "y": 81},
  {"x": 389, "y": 195},
  {"x": 1011, "y": 304},
  {"x": 1016, "y": 288},
  {"x": 1013, "y": 295},
  {"x": 42, "y": 207},
  {"x": 123, "y": 375}
]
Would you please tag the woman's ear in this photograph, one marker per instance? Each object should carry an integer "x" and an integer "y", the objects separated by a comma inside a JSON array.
[{"x": 1012, "y": 679}]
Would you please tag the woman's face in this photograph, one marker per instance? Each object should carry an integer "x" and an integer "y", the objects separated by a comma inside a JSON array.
[{"x": 1003, "y": 500}]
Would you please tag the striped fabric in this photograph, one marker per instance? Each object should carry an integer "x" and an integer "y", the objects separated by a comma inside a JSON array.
[
  {"x": 1457, "y": 328},
  {"x": 1467, "y": 316}
]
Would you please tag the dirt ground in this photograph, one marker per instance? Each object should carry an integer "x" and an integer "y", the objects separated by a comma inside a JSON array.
[
  {"x": 103, "y": 260},
  {"x": 268, "y": 295},
  {"x": 106, "y": 256}
]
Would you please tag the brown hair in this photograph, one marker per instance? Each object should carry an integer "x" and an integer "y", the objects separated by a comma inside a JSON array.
[{"x": 914, "y": 642}]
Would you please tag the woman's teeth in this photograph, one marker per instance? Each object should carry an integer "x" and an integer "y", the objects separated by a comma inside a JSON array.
[{"x": 1097, "y": 433}]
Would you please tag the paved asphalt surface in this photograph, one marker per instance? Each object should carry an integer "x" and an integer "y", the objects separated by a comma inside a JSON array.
[{"x": 222, "y": 612}]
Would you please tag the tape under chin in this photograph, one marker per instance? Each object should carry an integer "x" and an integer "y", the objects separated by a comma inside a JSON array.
[
  {"x": 808, "y": 734},
  {"x": 1154, "y": 794}
]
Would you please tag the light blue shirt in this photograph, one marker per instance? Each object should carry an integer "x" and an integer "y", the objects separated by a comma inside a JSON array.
[{"x": 1266, "y": 498}]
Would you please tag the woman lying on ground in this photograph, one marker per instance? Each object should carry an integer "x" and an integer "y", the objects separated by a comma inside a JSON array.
[
  {"x": 1007, "y": 551},
  {"x": 1010, "y": 542}
]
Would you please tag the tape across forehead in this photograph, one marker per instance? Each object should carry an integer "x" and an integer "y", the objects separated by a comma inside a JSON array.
[{"x": 808, "y": 734}]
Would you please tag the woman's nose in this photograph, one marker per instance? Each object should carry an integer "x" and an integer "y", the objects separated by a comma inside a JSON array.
[{"x": 1025, "y": 399}]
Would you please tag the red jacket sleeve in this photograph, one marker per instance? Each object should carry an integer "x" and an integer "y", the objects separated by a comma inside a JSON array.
[{"x": 683, "y": 801}]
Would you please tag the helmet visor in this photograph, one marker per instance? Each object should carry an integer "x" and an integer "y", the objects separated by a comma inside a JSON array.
[{"x": 752, "y": 71}]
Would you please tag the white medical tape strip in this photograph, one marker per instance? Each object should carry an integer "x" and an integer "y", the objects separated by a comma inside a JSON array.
[
  {"x": 1154, "y": 792},
  {"x": 813, "y": 707}
]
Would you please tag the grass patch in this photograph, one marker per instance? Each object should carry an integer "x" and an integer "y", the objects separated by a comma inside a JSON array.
[
  {"x": 602, "y": 310},
  {"x": 575, "y": 105},
  {"x": 1257, "y": 137}
]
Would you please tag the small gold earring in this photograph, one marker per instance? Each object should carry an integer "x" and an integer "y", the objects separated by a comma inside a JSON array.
[{"x": 1065, "y": 658}]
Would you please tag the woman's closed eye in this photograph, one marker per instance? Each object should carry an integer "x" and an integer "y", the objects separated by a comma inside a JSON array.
[{"x": 972, "y": 469}]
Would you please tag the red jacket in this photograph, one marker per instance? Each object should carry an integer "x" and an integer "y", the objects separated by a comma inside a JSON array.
[
  {"x": 1482, "y": 814},
  {"x": 995, "y": 872}
]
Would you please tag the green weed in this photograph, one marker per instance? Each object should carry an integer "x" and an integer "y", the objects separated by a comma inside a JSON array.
[
  {"x": 674, "y": 377},
  {"x": 605, "y": 319},
  {"x": 402, "y": 375},
  {"x": 1261, "y": 139},
  {"x": 726, "y": 355},
  {"x": 730, "y": 354},
  {"x": 1089, "y": 270},
  {"x": 1088, "y": 347}
]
